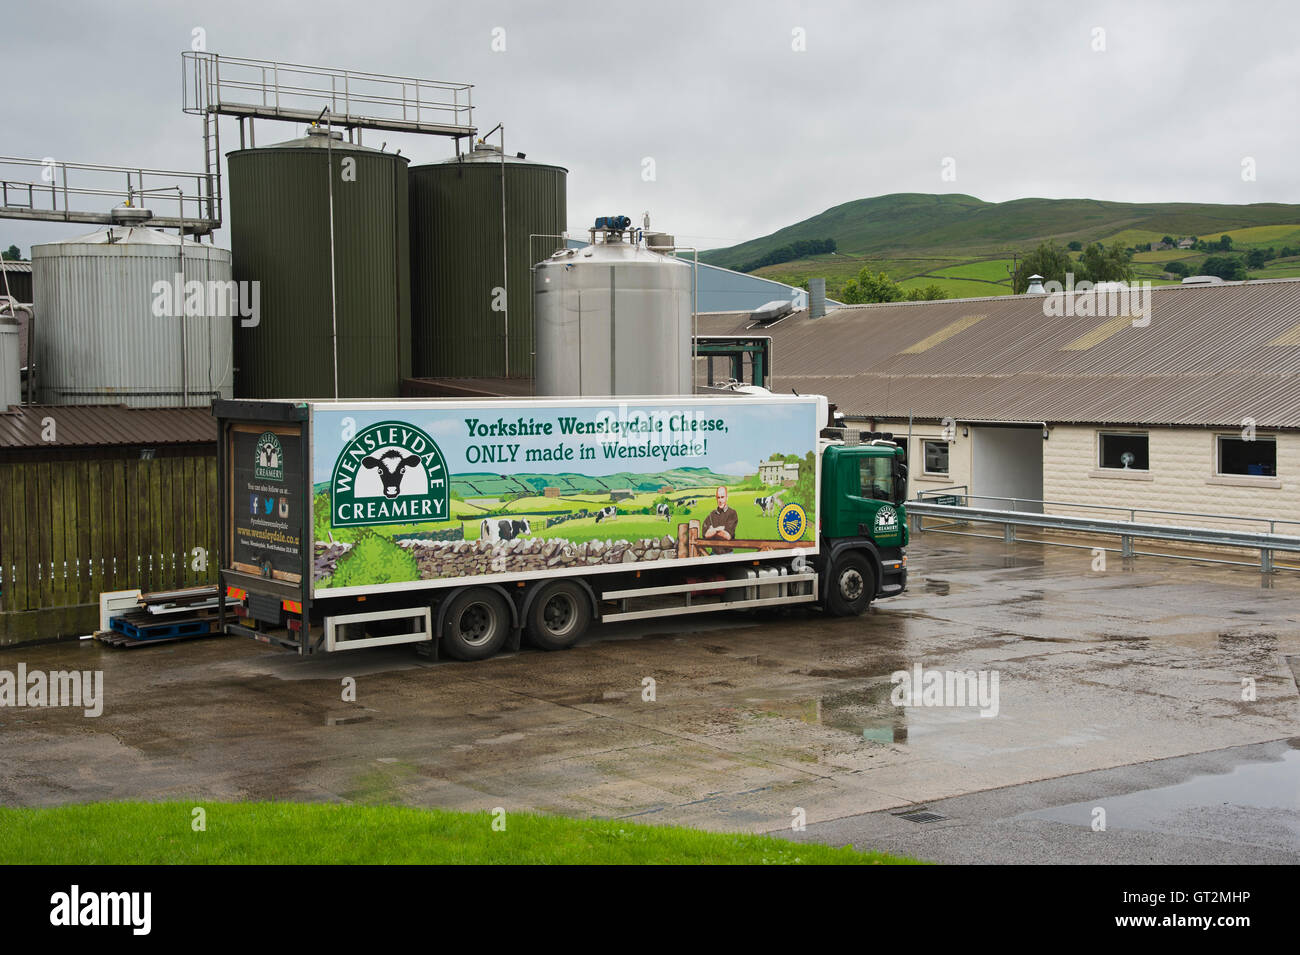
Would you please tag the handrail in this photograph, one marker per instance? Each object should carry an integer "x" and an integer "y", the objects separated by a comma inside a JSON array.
[
  {"x": 1127, "y": 531},
  {"x": 53, "y": 193},
  {"x": 270, "y": 89},
  {"x": 1272, "y": 522}
]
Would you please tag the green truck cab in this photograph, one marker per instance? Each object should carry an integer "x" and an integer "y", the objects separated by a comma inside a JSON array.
[{"x": 863, "y": 524}]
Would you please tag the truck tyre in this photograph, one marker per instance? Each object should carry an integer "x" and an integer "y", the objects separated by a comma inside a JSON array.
[
  {"x": 558, "y": 616},
  {"x": 851, "y": 586},
  {"x": 476, "y": 625}
]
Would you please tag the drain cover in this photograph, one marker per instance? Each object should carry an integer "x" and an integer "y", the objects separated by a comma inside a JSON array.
[{"x": 920, "y": 815}]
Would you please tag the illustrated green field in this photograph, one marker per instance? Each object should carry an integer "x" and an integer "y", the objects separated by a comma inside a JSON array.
[{"x": 376, "y": 556}]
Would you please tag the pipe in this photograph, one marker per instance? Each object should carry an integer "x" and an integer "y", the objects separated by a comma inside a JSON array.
[
  {"x": 505, "y": 261},
  {"x": 14, "y": 307},
  {"x": 329, "y": 174},
  {"x": 185, "y": 385}
]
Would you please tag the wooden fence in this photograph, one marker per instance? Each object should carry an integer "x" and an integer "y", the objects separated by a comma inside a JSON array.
[
  {"x": 691, "y": 544},
  {"x": 70, "y": 529}
]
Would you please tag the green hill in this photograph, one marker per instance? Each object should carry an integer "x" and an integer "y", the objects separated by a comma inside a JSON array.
[{"x": 965, "y": 244}]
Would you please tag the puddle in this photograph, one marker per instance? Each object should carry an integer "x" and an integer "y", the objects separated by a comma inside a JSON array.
[
  {"x": 1267, "y": 792},
  {"x": 866, "y": 712}
]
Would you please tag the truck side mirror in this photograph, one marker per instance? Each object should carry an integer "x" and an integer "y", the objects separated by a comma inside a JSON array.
[{"x": 900, "y": 481}]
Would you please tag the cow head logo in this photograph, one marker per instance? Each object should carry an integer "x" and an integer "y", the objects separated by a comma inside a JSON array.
[
  {"x": 389, "y": 473},
  {"x": 392, "y": 466}
]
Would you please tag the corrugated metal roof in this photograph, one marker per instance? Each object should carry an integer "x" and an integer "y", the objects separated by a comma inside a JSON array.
[
  {"x": 1210, "y": 356},
  {"x": 8, "y": 266},
  {"x": 105, "y": 425}
]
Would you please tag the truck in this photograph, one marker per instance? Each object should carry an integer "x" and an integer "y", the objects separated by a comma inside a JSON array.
[{"x": 467, "y": 527}]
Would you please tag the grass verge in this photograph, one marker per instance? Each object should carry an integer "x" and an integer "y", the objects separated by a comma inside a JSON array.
[{"x": 127, "y": 833}]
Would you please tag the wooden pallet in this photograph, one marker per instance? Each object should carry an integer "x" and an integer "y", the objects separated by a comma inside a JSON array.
[{"x": 140, "y": 628}]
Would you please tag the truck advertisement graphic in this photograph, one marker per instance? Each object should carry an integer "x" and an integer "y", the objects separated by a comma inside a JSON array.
[{"x": 463, "y": 490}]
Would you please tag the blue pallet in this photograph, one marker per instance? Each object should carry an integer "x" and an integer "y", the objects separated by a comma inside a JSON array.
[{"x": 162, "y": 630}]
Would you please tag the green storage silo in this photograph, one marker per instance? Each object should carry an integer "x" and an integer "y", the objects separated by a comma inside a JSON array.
[
  {"x": 458, "y": 329},
  {"x": 280, "y": 238}
]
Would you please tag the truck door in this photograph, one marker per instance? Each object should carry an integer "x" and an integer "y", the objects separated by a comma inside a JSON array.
[{"x": 877, "y": 480}]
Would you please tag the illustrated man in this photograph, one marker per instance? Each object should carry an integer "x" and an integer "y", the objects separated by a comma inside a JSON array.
[{"x": 721, "y": 521}]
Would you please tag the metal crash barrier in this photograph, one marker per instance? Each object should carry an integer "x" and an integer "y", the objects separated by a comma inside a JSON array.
[{"x": 954, "y": 516}]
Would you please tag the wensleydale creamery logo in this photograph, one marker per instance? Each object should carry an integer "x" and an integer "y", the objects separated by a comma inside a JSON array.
[
  {"x": 886, "y": 521},
  {"x": 390, "y": 473},
  {"x": 270, "y": 459}
]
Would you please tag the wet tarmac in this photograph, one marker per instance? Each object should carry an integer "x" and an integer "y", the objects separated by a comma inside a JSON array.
[{"x": 753, "y": 723}]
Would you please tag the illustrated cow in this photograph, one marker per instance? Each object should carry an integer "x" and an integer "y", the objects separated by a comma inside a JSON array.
[
  {"x": 391, "y": 465},
  {"x": 665, "y": 511},
  {"x": 606, "y": 513},
  {"x": 768, "y": 504},
  {"x": 503, "y": 530}
]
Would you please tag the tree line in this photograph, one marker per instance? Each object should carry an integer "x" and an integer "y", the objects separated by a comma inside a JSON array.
[{"x": 799, "y": 249}]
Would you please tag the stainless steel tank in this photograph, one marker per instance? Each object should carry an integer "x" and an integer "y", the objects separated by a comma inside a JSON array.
[
  {"x": 132, "y": 316},
  {"x": 10, "y": 364},
  {"x": 612, "y": 318}
]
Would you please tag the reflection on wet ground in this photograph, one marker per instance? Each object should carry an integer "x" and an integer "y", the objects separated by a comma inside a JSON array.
[
  {"x": 1268, "y": 790},
  {"x": 748, "y": 718}
]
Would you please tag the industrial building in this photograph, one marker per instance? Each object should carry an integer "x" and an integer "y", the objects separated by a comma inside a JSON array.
[{"x": 1194, "y": 407}]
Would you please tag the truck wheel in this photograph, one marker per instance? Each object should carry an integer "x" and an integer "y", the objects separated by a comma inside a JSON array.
[
  {"x": 558, "y": 616},
  {"x": 851, "y": 587},
  {"x": 476, "y": 625}
]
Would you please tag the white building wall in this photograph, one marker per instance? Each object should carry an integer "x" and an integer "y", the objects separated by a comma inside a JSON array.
[{"x": 1181, "y": 475}]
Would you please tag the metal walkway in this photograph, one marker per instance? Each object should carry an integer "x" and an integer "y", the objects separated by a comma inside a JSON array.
[
  {"x": 266, "y": 89},
  {"x": 46, "y": 190}
]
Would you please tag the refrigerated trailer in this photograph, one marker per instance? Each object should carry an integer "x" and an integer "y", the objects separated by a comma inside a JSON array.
[{"x": 467, "y": 527}]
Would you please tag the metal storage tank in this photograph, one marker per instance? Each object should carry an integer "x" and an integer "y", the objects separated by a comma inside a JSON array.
[
  {"x": 108, "y": 326},
  {"x": 613, "y": 318},
  {"x": 456, "y": 261},
  {"x": 280, "y": 237},
  {"x": 10, "y": 364}
]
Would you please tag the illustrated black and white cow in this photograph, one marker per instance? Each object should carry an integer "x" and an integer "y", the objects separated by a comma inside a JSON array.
[
  {"x": 606, "y": 513},
  {"x": 768, "y": 504},
  {"x": 503, "y": 530},
  {"x": 665, "y": 511},
  {"x": 391, "y": 465}
]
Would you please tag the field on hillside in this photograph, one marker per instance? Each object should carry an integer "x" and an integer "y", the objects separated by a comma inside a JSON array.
[
  {"x": 958, "y": 288},
  {"x": 963, "y": 244}
]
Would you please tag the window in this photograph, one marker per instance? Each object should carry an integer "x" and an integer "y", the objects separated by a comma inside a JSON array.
[
  {"x": 1257, "y": 458},
  {"x": 877, "y": 477},
  {"x": 936, "y": 457},
  {"x": 1123, "y": 452}
]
